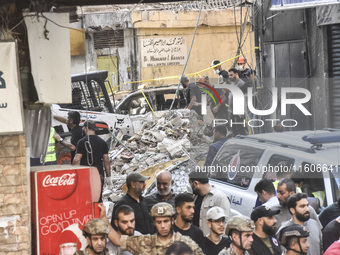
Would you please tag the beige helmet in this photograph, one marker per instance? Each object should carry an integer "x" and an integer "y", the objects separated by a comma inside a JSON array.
[
  {"x": 162, "y": 210},
  {"x": 241, "y": 223},
  {"x": 96, "y": 227},
  {"x": 292, "y": 231}
]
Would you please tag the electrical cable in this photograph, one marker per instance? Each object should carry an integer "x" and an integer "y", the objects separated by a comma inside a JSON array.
[{"x": 186, "y": 62}]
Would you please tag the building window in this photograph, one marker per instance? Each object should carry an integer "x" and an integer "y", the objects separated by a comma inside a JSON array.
[{"x": 108, "y": 39}]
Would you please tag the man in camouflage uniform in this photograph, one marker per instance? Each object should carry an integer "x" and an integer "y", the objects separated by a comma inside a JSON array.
[
  {"x": 294, "y": 239},
  {"x": 95, "y": 232},
  {"x": 156, "y": 244},
  {"x": 240, "y": 229}
]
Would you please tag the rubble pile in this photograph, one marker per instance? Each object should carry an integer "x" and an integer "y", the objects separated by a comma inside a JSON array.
[{"x": 173, "y": 135}]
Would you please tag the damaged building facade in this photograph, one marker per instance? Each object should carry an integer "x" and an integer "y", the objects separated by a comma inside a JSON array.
[{"x": 149, "y": 42}]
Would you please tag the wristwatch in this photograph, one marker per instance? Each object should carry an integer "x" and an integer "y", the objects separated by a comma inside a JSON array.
[{"x": 61, "y": 140}]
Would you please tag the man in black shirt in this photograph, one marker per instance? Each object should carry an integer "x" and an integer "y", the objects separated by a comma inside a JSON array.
[
  {"x": 222, "y": 74},
  {"x": 93, "y": 151},
  {"x": 331, "y": 233},
  {"x": 184, "y": 204},
  {"x": 215, "y": 241},
  {"x": 264, "y": 242},
  {"x": 136, "y": 184},
  {"x": 330, "y": 213},
  {"x": 72, "y": 121}
]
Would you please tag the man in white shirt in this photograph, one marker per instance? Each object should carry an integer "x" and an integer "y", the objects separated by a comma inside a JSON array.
[{"x": 266, "y": 191}]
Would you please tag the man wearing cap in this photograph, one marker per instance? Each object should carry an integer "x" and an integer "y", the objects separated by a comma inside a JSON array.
[
  {"x": 222, "y": 74},
  {"x": 298, "y": 208},
  {"x": 264, "y": 242},
  {"x": 163, "y": 218},
  {"x": 135, "y": 183},
  {"x": 240, "y": 229},
  {"x": 294, "y": 239},
  {"x": 93, "y": 151},
  {"x": 215, "y": 241}
]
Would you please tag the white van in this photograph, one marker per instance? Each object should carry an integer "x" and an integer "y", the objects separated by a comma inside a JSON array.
[{"x": 313, "y": 157}]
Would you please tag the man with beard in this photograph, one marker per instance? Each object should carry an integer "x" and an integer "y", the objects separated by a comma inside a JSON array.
[
  {"x": 264, "y": 242},
  {"x": 125, "y": 224},
  {"x": 184, "y": 204},
  {"x": 286, "y": 188},
  {"x": 162, "y": 215},
  {"x": 294, "y": 239},
  {"x": 135, "y": 183},
  {"x": 215, "y": 241},
  {"x": 206, "y": 197},
  {"x": 95, "y": 231},
  {"x": 238, "y": 129},
  {"x": 164, "y": 191},
  {"x": 240, "y": 229},
  {"x": 298, "y": 207}
]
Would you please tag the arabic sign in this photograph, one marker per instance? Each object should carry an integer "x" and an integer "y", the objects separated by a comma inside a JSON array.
[
  {"x": 278, "y": 5},
  {"x": 10, "y": 96},
  {"x": 171, "y": 51},
  {"x": 326, "y": 15}
]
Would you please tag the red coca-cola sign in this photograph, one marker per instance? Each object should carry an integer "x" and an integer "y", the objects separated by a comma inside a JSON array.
[{"x": 59, "y": 185}]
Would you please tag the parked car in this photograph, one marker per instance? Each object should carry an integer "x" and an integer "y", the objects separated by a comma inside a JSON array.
[{"x": 312, "y": 156}]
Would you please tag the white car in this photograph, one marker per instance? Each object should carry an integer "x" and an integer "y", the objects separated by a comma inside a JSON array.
[{"x": 313, "y": 156}]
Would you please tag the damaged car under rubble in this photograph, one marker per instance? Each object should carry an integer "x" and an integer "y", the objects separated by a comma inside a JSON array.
[{"x": 94, "y": 98}]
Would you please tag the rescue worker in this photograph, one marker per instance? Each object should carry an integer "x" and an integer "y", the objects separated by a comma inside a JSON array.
[
  {"x": 50, "y": 157},
  {"x": 222, "y": 74},
  {"x": 242, "y": 70},
  {"x": 163, "y": 219},
  {"x": 294, "y": 239},
  {"x": 95, "y": 232},
  {"x": 240, "y": 229}
]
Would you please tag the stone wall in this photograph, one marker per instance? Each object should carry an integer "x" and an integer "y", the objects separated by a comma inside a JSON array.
[{"x": 15, "y": 234}]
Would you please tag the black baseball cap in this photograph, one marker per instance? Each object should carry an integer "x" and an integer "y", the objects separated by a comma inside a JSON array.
[{"x": 263, "y": 211}]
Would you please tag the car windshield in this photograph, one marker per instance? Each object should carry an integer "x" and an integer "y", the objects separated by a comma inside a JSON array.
[
  {"x": 235, "y": 164},
  {"x": 139, "y": 103}
]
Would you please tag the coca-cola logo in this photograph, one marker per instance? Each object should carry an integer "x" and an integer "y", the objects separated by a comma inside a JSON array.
[
  {"x": 60, "y": 185},
  {"x": 64, "y": 180}
]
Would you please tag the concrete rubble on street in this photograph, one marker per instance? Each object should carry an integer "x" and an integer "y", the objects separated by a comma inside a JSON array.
[{"x": 163, "y": 143}]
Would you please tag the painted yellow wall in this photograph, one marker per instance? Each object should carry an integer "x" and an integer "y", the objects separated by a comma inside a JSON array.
[{"x": 215, "y": 39}]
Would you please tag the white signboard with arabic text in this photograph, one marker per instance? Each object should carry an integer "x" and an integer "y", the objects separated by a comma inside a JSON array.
[
  {"x": 11, "y": 117},
  {"x": 170, "y": 51}
]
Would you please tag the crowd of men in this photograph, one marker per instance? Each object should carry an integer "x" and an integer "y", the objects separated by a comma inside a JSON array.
[
  {"x": 241, "y": 77},
  {"x": 201, "y": 223}
]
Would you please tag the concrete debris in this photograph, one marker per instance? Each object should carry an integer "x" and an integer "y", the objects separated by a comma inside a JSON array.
[{"x": 169, "y": 136}]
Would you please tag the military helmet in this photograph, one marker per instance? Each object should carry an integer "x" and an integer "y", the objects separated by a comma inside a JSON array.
[
  {"x": 292, "y": 231},
  {"x": 162, "y": 210},
  {"x": 241, "y": 223},
  {"x": 96, "y": 227}
]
